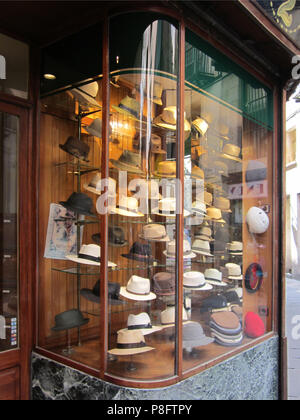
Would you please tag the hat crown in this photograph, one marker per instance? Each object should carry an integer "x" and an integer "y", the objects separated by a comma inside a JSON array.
[
  {"x": 90, "y": 89},
  {"x": 201, "y": 125},
  {"x": 193, "y": 279},
  {"x": 138, "y": 285},
  {"x": 91, "y": 250},
  {"x": 168, "y": 315},
  {"x": 164, "y": 283},
  {"x": 130, "y": 158},
  {"x": 222, "y": 203},
  {"x": 213, "y": 274},
  {"x": 130, "y": 203},
  {"x": 214, "y": 213},
  {"x": 138, "y": 320},
  {"x": 236, "y": 246},
  {"x": 130, "y": 337},
  {"x": 233, "y": 269},
  {"x": 167, "y": 167},
  {"x": 69, "y": 319},
  {"x": 153, "y": 231},
  {"x": 96, "y": 125},
  {"x": 231, "y": 149},
  {"x": 192, "y": 331}
]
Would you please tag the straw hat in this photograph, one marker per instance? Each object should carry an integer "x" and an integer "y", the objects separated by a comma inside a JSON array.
[
  {"x": 167, "y": 119},
  {"x": 201, "y": 125},
  {"x": 129, "y": 107},
  {"x": 215, "y": 215},
  {"x": 235, "y": 248},
  {"x": 129, "y": 343},
  {"x": 194, "y": 280},
  {"x": 167, "y": 208},
  {"x": 154, "y": 232},
  {"x": 86, "y": 94},
  {"x": 166, "y": 169},
  {"x": 234, "y": 271},
  {"x": 214, "y": 276},
  {"x": 89, "y": 255},
  {"x": 128, "y": 206},
  {"x": 170, "y": 252},
  {"x": 138, "y": 288},
  {"x": 223, "y": 204},
  {"x": 232, "y": 152},
  {"x": 201, "y": 247},
  {"x": 141, "y": 322}
]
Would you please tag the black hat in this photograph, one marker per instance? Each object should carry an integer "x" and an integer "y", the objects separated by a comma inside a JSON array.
[
  {"x": 232, "y": 297},
  {"x": 69, "y": 319},
  {"x": 79, "y": 203},
  {"x": 139, "y": 252},
  {"x": 116, "y": 237},
  {"x": 94, "y": 294},
  {"x": 214, "y": 302},
  {"x": 76, "y": 147}
]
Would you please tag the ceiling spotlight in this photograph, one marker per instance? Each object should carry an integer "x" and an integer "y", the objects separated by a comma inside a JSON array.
[{"x": 49, "y": 76}]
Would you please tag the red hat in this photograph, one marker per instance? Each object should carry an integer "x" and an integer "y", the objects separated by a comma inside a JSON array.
[{"x": 254, "y": 325}]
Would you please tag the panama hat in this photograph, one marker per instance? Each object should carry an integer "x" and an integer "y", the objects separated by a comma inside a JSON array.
[
  {"x": 128, "y": 161},
  {"x": 95, "y": 185},
  {"x": 235, "y": 248},
  {"x": 141, "y": 322},
  {"x": 170, "y": 252},
  {"x": 69, "y": 319},
  {"x": 167, "y": 208},
  {"x": 167, "y": 119},
  {"x": 168, "y": 316},
  {"x": 201, "y": 247},
  {"x": 89, "y": 255},
  {"x": 76, "y": 147},
  {"x": 86, "y": 94},
  {"x": 234, "y": 271},
  {"x": 166, "y": 169},
  {"x": 130, "y": 342},
  {"x": 154, "y": 232},
  {"x": 194, "y": 280},
  {"x": 79, "y": 203},
  {"x": 232, "y": 152},
  {"x": 138, "y": 289},
  {"x": 223, "y": 204},
  {"x": 200, "y": 125},
  {"x": 128, "y": 206},
  {"x": 257, "y": 220},
  {"x": 129, "y": 107},
  {"x": 214, "y": 276},
  {"x": 204, "y": 233},
  {"x": 215, "y": 215}
]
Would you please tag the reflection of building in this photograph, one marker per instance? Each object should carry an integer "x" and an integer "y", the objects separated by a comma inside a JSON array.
[{"x": 292, "y": 186}]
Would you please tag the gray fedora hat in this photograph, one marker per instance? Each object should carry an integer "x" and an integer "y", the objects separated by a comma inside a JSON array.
[
  {"x": 193, "y": 336},
  {"x": 69, "y": 319}
]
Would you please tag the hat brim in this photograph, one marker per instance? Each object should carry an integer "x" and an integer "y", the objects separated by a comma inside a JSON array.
[
  {"x": 198, "y": 343},
  {"x": 186, "y": 213},
  {"x": 70, "y": 326},
  {"x": 128, "y": 213},
  {"x": 185, "y": 257},
  {"x": 140, "y": 259},
  {"x": 76, "y": 210},
  {"x": 205, "y": 288},
  {"x": 165, "y": 239},
  {"x": 128, "y": 352},
  {"x": 230, "y": 157},
  {"x": 207, "y": 254},
  {"x": 235, "y": 277},
  {"x": 77, "y": 155},
  {"x": 161, "y": 123},
  {"x": 94, "y": 190},
  {"x": 87, "y": 262},
  {"x": 118, "y": 245},
  {"x": 145, "y": 331},
  {"x": 217, "y": 283},
  {"x": 85, "y": 99},
  {"x": 159, "y": 175},
  {"x": 125, "y": 112},
  {"x": 142, "y": 298},
  {"x": 125, "y": 167}
]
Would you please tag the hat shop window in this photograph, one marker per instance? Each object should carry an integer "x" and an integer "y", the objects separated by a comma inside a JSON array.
[{"x": 226, "y": 286}]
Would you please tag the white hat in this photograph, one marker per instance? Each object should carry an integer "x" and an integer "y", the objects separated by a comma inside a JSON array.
[
  {"x": 138, "y": 288},
  {"x": 167, "y": 208},
  {"x": 90, "y": 255},
  {"x": 95, "y": 185},
  {"x": 168, "y": 316},
  {"x": 86, "y": 94},
  {"x": 214, "y": 276},
  {"x": 201, "y": 247},
  {"x": 199, "y": 207},
  {"x": 141, "y": 322},
  {"x": 130, "y": 342},
  {"x": 171, "y": 250},
  {"x": 234, "y": 271},
  {"x": 194, "y": 280},
  {"x": 257, "y": 220},
  {"x": 235, "y": 248},
  {"x": 128, "y": 206}
]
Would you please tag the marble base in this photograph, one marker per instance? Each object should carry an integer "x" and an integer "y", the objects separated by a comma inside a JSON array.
[{"x": 252, "y": 375}]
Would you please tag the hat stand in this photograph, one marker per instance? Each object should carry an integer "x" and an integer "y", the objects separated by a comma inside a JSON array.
[
  {"x": 131, "y": 367},
  {"x": 69, "y": 350}
]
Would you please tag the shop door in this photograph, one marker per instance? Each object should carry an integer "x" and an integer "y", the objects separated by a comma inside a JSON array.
[{"x": 14, "y": 309}]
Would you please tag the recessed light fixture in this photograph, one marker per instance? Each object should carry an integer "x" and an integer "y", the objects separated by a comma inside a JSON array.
[{"x": 49, "y": 76}]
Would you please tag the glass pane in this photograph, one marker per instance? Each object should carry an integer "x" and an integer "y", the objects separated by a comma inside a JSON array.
[
  {"x": 14, "y": 66},
  {"x": 228, "y": 189},
  {"x": 9, "y": 274},
  {"x": 69, "y": 259},
  {"x": 142, "y": 209}
]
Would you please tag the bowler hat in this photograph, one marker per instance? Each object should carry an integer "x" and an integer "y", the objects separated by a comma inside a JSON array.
[
  {"x": 76, "y": 147},
  {"x": 69, "y": 319},
  {"x": 79, "y": 203}
]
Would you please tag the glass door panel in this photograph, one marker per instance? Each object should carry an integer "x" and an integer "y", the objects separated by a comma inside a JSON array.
[{"x": 9, "y": 272}]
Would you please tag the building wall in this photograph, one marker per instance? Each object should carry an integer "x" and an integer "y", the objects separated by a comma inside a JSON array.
[{"x": 252, "y": 375}]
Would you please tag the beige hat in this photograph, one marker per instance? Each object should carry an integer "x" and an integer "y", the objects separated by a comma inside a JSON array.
[
  {"x": 138, "y": 288},
  {"x": 199, "y": 207},
  {"x": 208, "y": 198},
  {"x": 232, "y": 152},
  {"x": 129, "y": 107},
  {"x": 95, "y": 186},
  {"x": 235, "y": 248},
  {"x": 234, "y": 271},
  {"x": 167, "y": 208},
  {"x": 86, "y": 94},
  {"x": 194, "y": 280},
  {"x": 201, "y": 247},
  {"x": 214, "y": 276},
  {"x": 170, "y": 252},
  {"x": 166, "y": 169},
  {"x": 223, "y": 204},
  {"x": 204, "y": 233},
  {"x": 197, "y": 173},
  {"x": 128, "y": 206},
  {"x": 201, "y": 125},
  {"x": 154, "y": 232},
  {"x": 215, "y": 215},
  {"x": 89, "y": 255},
  {"x": 141, "y": 322},
  {"x": 168, "y": 316},
  {"x": 130, "y": 342},
  {"x": 167, "y": 119},
  {"x": 157, "y": 93}
]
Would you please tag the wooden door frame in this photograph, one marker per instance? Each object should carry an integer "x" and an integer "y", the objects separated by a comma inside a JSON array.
[{"x": 21, "y": 356}]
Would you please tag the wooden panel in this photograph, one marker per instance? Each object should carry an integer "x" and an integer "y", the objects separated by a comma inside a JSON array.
[{"x": 9, "y": 384}]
